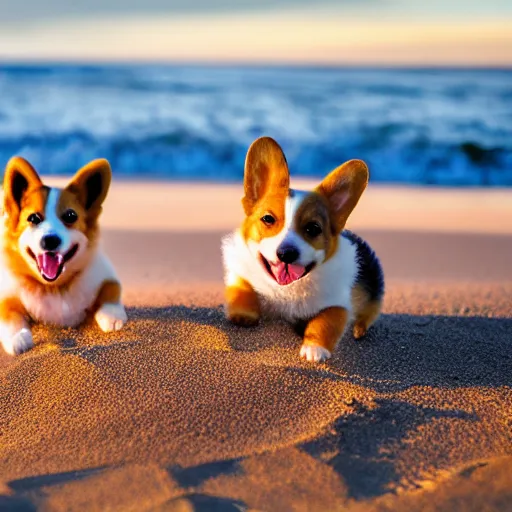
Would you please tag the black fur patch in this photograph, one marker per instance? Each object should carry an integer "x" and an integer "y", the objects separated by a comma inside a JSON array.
[{"x": 370, "y": 275}]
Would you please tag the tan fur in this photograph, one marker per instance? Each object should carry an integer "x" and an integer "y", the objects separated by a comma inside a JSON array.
[
  {"x": 90, "y": 185},
  {"x": 13, "y": 313},
  {"x": 242, "y": 304},
  {"x": 266, "y": 185},
  {"x": 342, "y": 188},
  {"x": 24, "y": 194},
  {"x": 83, "y": 195},
  {"x": 71, "y": 200},
  {"x": 326, "y": 328},
  {"x": 20, "y": 181},
  {"x": 253, "y": 228},
  {"x": 315, "y": 208},
  {"x": 109, "y": 293},
  {"x": 32, "y": 201},
  {"x": 266, "y": 172},
  {"x": 365, "y": 310}
]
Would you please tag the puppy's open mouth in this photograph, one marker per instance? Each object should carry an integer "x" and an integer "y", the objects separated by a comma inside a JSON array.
[
  {"x": 51, "y": 264},
  {"x": 285, "y": 273}
]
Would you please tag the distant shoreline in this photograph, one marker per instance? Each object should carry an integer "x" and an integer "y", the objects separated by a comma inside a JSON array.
[{"x": 21, "y": 63}]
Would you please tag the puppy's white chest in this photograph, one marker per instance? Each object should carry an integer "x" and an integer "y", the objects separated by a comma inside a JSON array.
[
  {"x": 63, "y": 309},
  {"x": 68, "y": 309},
  {"x": 330, "y": 284},
  {"x": 291, "y": 305}
]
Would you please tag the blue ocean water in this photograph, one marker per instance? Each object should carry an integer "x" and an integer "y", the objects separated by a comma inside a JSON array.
[{"x": 446, "y": 127}]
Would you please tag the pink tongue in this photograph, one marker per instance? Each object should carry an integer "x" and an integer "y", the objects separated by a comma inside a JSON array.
[
  {"x": 49, "y": 264},
  {"x": 286, "y": 274}
]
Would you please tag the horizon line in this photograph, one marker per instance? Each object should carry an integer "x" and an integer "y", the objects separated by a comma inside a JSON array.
[{"x": 84, "y": 61}]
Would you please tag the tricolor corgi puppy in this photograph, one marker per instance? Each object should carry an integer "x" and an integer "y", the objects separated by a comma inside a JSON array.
[
  {"x": 292, "y": 259},
  {"x": 51, "y": 268}
]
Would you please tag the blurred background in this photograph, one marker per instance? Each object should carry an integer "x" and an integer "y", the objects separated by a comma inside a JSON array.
[{"x": 178, "y": 89}]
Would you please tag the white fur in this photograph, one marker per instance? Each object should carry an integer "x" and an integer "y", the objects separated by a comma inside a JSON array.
[
  {"x": 314, "y": 353},
  {"x": 111, "y": 317},
  {"x": 69, "y": 309},
  {"x": 328, "y": 284},
  {"x": 15, "y": 342}
]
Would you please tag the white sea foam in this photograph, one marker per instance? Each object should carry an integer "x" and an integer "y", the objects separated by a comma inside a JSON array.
[{"x": 416, "y": 126}]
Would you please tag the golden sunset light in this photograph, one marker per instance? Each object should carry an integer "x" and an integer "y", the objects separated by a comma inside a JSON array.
[{"x": 319, "y": 36}]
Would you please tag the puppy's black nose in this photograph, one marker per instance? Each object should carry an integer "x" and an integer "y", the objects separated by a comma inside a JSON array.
[
  {"x": 288, "y": 254},
  {"x": 50, "y": 242}
]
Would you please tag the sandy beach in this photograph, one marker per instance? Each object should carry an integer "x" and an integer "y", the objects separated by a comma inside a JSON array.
[{"x": 181, "y": 411}]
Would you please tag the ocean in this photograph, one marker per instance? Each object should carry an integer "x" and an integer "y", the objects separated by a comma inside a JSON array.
[{"x": 443, "y": 127}]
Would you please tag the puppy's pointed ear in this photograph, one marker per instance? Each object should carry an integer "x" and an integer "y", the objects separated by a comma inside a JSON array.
[
  {"x": 265, "y": 170},
  {"x": 91, "y": 184},
  {"x": 19, "y": 178},
  {"x": 343, "y": 188}
]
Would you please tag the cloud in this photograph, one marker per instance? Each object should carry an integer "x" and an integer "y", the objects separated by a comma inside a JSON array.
[
  {"x": 34, "y": 10},
  {"x": 16, "y": 12}
]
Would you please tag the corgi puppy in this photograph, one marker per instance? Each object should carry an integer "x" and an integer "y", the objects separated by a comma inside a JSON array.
[
  {"x": 292, "y": 259},
  {"x": 51, "y": 267}
]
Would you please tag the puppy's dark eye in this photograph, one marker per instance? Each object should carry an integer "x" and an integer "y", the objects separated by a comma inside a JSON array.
[
  {"x": 69, "y": 217},
  {"x": 268, "y": 219},
  {"x": 313, "y": 229},
  {"x": 35, "y": 219}
]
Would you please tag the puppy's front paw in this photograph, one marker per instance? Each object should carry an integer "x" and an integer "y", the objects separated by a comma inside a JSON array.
[
  {"x": 314, "y": 353},
  {"x": 243, "y": 318},
  {"x": 111, "y": 317},
  {"x": 19, "y": 342},
  {"x": 242, "y": 306}
]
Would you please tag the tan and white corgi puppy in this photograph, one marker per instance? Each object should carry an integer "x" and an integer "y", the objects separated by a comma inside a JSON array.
[
  {"x": 291, "y": 258},
  {"x": 51, "y": 267}
]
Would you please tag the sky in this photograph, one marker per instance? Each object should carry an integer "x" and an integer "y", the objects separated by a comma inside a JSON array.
[{"x": 350, "y": 32}]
